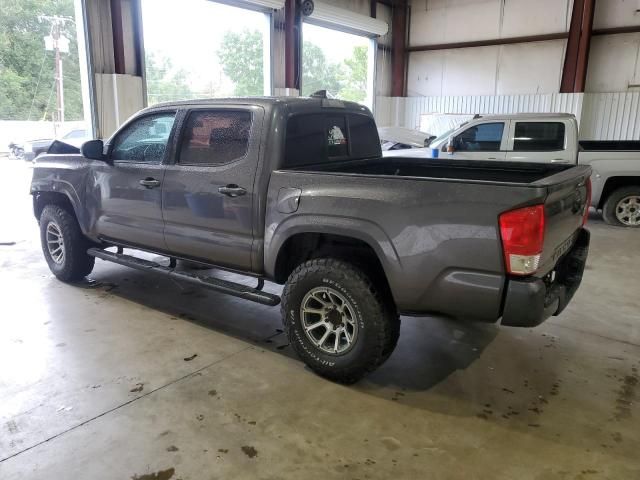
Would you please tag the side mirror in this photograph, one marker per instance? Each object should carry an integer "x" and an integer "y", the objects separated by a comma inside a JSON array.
[{"x": 94, "y": 150}]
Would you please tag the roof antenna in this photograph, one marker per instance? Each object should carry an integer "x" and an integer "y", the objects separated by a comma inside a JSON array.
[{"x": 319, "y": 94}]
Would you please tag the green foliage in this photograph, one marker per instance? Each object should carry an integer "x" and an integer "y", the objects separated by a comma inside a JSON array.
[
  {"x": 317, "y": 72},
  {"x": 164, "y": 82},
  {"x": 27, "y": 90},
  {"x": 241, "y": 58},
  {"x": 355, "y": 80},
  {"x": 346, "y": 80}
]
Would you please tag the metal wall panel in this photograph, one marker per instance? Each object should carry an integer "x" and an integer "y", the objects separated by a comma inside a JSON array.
[
  {"x": 414, "y": 107},
  {"x": 611, "y": 116},
  {"x": 601, "y": 116}
]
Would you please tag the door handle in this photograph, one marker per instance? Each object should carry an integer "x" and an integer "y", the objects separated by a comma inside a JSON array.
[
  {"x": 232, "y": 190},
  {"x": 150, "y": 182}
]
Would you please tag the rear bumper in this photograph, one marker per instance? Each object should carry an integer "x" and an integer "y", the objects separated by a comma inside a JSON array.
[{"x": 530, "y": 301}]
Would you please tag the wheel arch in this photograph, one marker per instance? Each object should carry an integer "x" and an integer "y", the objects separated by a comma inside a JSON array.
[
  {"x": 301, "y": 246},
  {"x": 42, "y": 198},
  {"x": 614, "y": 183}
]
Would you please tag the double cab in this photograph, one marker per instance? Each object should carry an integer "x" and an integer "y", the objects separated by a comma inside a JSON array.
[{"x": 295, "y": 191}]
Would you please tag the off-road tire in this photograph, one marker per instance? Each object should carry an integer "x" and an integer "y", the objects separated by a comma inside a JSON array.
[
  {"x": 376, "y": 316},
  {"x": 611, "y": 203},
  {"x": 76, "y": 263}
]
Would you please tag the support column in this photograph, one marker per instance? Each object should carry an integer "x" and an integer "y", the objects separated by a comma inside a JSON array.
[
  {"x": 398, "y": 48},
  {"x": 574, "y": 72},
  {"x": 585, "y": 45},
  {"x": 292, "y": 35},
  {"x": 118, "y": 40}
]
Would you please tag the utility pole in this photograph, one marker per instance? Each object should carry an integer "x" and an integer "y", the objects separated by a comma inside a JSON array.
[
  {"x": 55, "y": 34},
  {"x": 57, "y": 42}
]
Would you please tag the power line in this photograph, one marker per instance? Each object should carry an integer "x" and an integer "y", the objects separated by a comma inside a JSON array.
[{"x": 33, "y": 100}]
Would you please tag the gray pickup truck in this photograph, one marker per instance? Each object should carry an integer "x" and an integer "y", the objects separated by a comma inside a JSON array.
[{"x": 296, "y": 191}]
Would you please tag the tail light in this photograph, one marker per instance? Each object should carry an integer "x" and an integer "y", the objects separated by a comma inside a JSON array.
[
  {"x": 522, "y": 233},
  {"x": 586, "y": 207}
]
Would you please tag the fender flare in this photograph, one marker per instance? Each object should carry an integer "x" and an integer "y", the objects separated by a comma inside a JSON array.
[{"x": 360, "y": 229}]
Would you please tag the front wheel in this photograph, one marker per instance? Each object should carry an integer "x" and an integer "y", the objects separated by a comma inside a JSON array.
[
  {"x": 622, "y": 207},
  {"x": 337, "y": 321},
  {"x": 63, "y": 245}
]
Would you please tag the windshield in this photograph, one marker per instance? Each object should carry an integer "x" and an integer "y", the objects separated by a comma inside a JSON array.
[{"x": 444, "y": 136}]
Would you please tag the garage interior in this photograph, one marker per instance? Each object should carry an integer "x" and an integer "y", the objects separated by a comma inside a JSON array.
[{"x": 129, "y": 375}]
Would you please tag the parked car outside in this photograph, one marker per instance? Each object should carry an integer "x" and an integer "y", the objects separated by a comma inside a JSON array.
[{"x": 33, "y": 148}]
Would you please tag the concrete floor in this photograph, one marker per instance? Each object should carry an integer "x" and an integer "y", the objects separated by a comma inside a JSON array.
[{"x": 138, "y": 377}]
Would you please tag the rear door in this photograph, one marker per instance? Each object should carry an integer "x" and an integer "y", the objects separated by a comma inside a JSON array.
[
  {"x": 209, "y": 196},
  {"x": 542, "y": 141},
  {"x": 481, "y": 141},
  {"x": 127, "y": 190}
]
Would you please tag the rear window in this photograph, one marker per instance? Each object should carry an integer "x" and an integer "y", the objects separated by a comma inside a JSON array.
[
  {"x": 538, "y": 136},
  {"x": 318, "y": 138}
]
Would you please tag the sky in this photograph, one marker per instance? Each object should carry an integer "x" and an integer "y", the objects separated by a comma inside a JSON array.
[{"x": 189, "y": 33}]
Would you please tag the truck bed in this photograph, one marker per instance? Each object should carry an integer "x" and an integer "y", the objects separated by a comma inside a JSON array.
[
  {"x": 479, "y": 171},
  {"x": 435, "y": 222},
  {"x": 610, "y": 145}
]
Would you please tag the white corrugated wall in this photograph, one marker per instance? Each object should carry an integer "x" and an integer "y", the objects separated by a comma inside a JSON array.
[
  {"x": 611, "y": 116},
  {"x": 601, "y": 116}
]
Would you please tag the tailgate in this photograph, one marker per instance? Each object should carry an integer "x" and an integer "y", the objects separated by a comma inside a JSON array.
[{"x": 564, "y": 207}]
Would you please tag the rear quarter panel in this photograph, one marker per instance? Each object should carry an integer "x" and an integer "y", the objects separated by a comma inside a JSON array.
[
  {"x": 606, "y": 165},
  {"x": 437, "y": 241}
]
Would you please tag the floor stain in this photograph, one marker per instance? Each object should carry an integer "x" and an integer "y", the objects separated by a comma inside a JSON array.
[
  {"x": 391, "y": 443},
  {"x": 138, "y": 388},
  {"x": 249, "y": 451},
  {"x": 172, "y": 448},
  {"x": 212, "y": 393},
  {"x": 161, "y": 475},
  {"x": 12, "y": 426},
  {"x": 626, "y": 396},
  {"x": 200, "y": 417},
  {"x": 223, "y": 450},
  {"x": 188, "y": 359}
]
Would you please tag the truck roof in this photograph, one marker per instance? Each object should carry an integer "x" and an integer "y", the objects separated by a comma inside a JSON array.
[
  {"x": 519, "y": 116},
  {"x": 292, "y": 103}
]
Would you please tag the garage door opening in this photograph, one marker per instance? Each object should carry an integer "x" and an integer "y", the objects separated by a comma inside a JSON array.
[
  {"x": 201, "y": 49},
  {"x": 341, "y": 63}
]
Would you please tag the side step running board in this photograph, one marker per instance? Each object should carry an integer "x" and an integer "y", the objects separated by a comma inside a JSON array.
[{"x": 224, "y": 286}]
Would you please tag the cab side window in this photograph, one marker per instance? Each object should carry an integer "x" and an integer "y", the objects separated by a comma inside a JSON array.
[
  {"x": 214, "y": 137},
  {"x": 485, "y": 137},
  {"x": 144, "y": 140},
  {"x": 538, "y": 137}
]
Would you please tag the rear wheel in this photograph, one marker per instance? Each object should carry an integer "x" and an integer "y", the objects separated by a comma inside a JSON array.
[
  {"x": 622, "y": 207},
  {"x": 337, "y": 321},
  {"x": 63, "y": 244}
]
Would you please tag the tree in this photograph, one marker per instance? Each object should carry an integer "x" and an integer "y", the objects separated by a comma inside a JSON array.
[
  {"x": 318, "y": 73},
  {"x": 355, "y": 76},
  {"x": 164, "y": 82},
  {"x": 27, "y": 89},
  {"x": 241, "y": 58}
]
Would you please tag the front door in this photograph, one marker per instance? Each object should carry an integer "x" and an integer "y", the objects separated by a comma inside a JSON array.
[
  {"x": 483, "y": 141},
  {"x": 208, "y": 195},
  {"x": 129, "y": 188}
]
